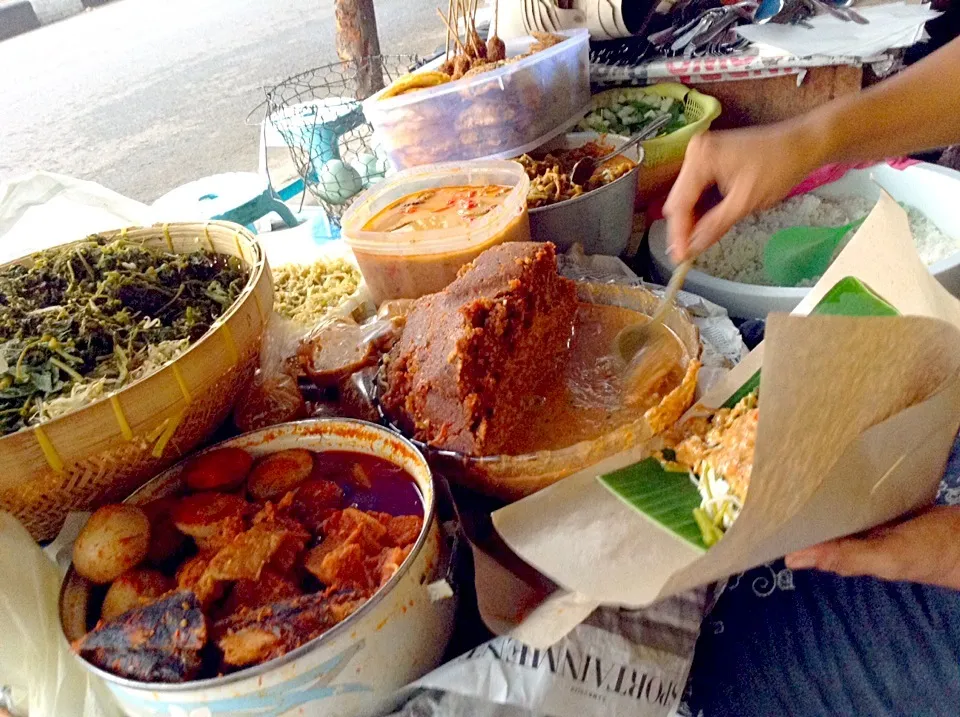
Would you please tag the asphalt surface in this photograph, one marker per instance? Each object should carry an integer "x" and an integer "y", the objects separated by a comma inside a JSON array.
[{"x": 144, "y": 95}]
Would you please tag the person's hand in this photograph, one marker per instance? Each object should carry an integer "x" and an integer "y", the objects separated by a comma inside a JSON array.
[
  {"x": 752, "y": 169},
  {"x": 923, "y": 549}
]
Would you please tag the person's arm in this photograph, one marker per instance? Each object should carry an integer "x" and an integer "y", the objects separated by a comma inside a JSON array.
[{"x": 916, "y": 110}]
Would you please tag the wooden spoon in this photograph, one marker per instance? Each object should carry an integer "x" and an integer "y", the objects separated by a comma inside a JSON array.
[{"x": 650, "y": 350}]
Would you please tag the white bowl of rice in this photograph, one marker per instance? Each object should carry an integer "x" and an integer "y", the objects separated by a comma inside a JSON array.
[{"x": 731, "y": 272}]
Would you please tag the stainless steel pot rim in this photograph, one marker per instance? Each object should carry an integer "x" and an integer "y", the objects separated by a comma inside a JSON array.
[{"x": 429, "y": 512}]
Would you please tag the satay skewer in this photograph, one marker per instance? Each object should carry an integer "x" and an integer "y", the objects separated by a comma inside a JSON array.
[
  {"x": 449, "y": 14},
  {"x": 456, "y": 37}
]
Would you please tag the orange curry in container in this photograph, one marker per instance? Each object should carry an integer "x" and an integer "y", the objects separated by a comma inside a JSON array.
[{"x": 412, "y": 233}]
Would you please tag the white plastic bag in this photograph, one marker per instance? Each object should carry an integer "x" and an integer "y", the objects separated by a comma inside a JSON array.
[
  {"x": 41, "y": 209},
  {"x": 38, "y": 674}
]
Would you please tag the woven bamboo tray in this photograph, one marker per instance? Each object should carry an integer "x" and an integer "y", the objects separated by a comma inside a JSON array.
[{"x": 105, "y": 451}]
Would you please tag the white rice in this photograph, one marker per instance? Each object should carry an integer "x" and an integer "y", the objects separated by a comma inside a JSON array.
[{"x": 739, "y": 255}]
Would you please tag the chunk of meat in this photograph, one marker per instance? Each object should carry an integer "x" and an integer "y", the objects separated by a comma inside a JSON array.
[
  {"x": 251, "y": 594},
  {"x": 255, "y": 636},
  {"x": 192, "y": 576},
  {"x": 296, "y": 536},
  {"x": 352, "y": 525},
  {"x": 342, "y": 565},
  {"x": 246, "y": 556},
  {"x": 348, "y": 555},
  {"x": 160, "y": 642},
  {"x": 226, "y": 532},
  {"x": 146, "y": 665},
  {"x": 403, "y": 530},
  {"x": 314, "y": 502},
  {"x": 389, "y": 562},
  {"x": 359, "y": 477}
]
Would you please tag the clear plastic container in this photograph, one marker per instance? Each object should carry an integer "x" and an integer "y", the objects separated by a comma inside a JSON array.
[
  {"x": 410, "y": 264},
  {"x": 498, "y": 114}
]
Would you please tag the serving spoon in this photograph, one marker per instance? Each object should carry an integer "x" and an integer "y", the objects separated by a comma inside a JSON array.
[
  {"x": 650, "y": 349},
  {"x": 584, "y": 168}
]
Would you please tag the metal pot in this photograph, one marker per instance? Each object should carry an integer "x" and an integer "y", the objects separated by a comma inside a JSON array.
[
  {"x": 602, "y": 220},
  {"x": 399, "y": 635}
]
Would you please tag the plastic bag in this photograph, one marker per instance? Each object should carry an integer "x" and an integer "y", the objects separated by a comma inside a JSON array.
[
  {"x": 38, "y": 674},
  {"x": 273, "y": 395},
  {"x": 41, "y": 209}
]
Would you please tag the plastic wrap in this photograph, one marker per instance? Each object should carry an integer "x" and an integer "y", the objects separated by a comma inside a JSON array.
[
  {"x": 38, "y": 674},
  {"x": 273, "y": 396}
]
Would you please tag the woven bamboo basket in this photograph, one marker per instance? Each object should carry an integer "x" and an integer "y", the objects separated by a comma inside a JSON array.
[{"x": 106, "y": 450}]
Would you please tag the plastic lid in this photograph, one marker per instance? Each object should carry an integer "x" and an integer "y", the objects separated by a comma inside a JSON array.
[{"x": 448, "y": 174}]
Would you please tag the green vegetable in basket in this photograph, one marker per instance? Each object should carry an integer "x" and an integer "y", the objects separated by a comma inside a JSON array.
[
  {"x": 82, "y": 321},
  {"x": 628, "y": 115}
]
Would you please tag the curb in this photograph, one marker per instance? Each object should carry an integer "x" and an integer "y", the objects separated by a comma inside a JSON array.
[
  {"x": 19, "y": 16},
  {"x": 16, "y": 17}
]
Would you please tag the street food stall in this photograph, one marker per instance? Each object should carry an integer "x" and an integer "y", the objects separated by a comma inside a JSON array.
[{"x": 461, "y": 457}]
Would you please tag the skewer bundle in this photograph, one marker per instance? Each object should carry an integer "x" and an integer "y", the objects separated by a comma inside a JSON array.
[{"x": 470, "y": 53}]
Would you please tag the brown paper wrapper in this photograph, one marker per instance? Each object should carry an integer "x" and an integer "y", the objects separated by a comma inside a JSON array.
[{"x": 859, "y": 415}]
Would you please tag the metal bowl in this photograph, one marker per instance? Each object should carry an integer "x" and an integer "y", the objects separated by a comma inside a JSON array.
[
  {"x": 602, "y": 220},
  {"x": 397, "y": 636}
]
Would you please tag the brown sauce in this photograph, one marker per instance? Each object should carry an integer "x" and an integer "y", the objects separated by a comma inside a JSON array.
[{"x": 588, "y": 401}]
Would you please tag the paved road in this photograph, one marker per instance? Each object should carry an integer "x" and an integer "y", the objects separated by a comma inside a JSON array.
[{"x": 144, "y": 95}]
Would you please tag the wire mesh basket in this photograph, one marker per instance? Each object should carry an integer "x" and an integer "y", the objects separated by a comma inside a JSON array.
[{"x": 319, "y": 115}]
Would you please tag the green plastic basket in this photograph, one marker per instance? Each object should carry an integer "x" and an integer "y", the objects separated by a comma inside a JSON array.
[{"x": 701, "y": 110}]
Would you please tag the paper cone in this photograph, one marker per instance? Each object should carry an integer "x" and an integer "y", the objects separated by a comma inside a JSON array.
[{"x": 858, "y": 418}]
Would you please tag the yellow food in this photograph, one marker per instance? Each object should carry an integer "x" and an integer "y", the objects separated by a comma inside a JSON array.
[
  {"x": 415, "y": 81},
  {"x": 306, "y": 293},
  {"x": 133, "y": 589},
  {"x": 114, "y": 540}
]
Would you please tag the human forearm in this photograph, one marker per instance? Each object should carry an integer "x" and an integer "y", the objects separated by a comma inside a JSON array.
[
  {"x": 756, "y": 168},
  {"x": 916, "y": 110}
]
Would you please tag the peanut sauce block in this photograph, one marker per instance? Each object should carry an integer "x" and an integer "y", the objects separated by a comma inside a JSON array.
[{"x": 473, "y": 357}]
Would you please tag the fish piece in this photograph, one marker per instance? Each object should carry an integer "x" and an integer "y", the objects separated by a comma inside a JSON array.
[
  {"x": 147, "y": 665},
  {"x": 159, "y": 642},
  {"x": 255, "y": 636}
]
